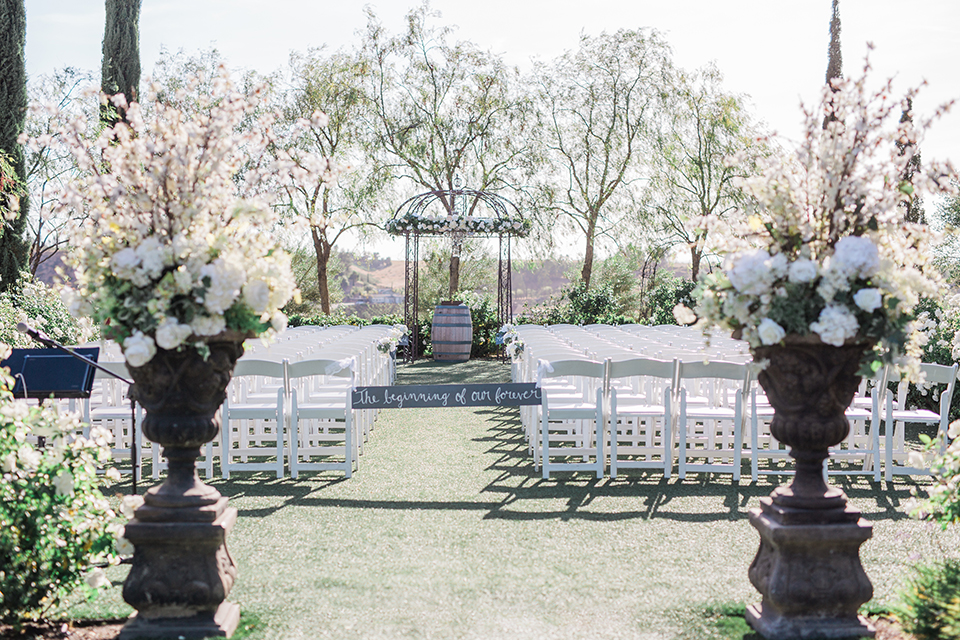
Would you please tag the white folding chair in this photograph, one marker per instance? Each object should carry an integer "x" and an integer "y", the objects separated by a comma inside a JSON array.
[
  {"x": 572, "y": 427},
  {"x": 711, "y": 427},
  {"x": 321, "y": 416},
  {"x": 898, "y": 415},
  {"x": 252, "y": 417},
  {"x": 641, "y": 415},
  {"x": 859, "y": 453}
]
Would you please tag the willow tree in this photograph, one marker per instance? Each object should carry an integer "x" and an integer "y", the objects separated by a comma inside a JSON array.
[
  {"x": 443, "y": 112},
  {"x": 120, "y": 71},
  {"x": 595, "y": 109},
  {"x": 323, "y": 114},
  {"x": 14, "y": 250},
  {"x": 705, "y": 141}
]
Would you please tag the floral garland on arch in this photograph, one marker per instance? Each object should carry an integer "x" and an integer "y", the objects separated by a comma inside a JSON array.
[
  {"x": 411, "y": 222},
  {"x": 168, "y": 254},
  {"x": 826, "y": 249}
]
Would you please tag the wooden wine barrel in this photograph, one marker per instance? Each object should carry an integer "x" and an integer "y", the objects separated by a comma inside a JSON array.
[{"x": 452, "y": 332}]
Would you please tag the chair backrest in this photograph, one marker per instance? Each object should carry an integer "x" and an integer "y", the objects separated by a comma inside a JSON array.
[
  {"x": 727, "y": 372},
  {"x": 256, "y": 367},
  {"x": 643, "y": 367},
  {"x": 320, "y": 367},
  {"x": 934, "y": 374},
  {"x": 576, "y": 368},
  {"x": 119, "y": 368}
]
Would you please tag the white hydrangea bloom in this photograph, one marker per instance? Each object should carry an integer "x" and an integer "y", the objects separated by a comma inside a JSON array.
[
  {"x": 750, "y": 273},
  {"x": 802, "y": 270},
  {"x": 226, "y": 280},
  {"x": 256, "y": 295},
  {"x": 856, "y": 257},
  {"x": 171, "y": 334},
  {"x": 208, "y": 325},
  {"x": 835, "y": 325}
]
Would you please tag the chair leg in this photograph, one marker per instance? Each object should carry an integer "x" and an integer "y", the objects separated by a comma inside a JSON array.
[
  {"x": 294, "y": 446},
  {"x": 545, "y": 452}
]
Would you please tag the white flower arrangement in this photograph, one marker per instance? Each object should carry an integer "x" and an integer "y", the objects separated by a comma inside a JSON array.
[
  {"x": 388, "y": 343},
  {"x": 168, "y": 253},
  {"x": 431, "y": 225},
  {"x": 826, "y": 249},
  {"x": 510, "y": 338}
]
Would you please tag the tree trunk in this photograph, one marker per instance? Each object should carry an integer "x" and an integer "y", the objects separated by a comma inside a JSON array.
[
  {"x": 120, "y": 71},
  {"x": 14, "y": 251},
  {"x": 696, "y": 255},
  {"x": 587, "y": 272},
  {"x": 323, "y": 249}
]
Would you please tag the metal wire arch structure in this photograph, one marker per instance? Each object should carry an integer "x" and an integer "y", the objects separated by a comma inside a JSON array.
[{"x": 503, "y": 226}]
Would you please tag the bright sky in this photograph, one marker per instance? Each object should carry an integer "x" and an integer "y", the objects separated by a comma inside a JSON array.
[{"x": 775, "y": 51}]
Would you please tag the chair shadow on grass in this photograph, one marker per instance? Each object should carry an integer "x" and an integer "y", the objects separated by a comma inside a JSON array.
[{"x": 518, "y": 483}]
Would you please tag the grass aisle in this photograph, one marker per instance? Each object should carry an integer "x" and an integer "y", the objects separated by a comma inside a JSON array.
[{"x": 447, "y": 532}]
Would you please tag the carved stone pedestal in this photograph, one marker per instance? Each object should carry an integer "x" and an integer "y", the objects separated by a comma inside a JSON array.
[
  {"x": 809, "y": 574},
  {"x": 181, "y": 574}
]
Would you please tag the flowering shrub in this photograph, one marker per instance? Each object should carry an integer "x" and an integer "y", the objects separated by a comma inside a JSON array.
[
  {"x": 41, "y": 307},
  {"x": 826, "y": 250},
  {"x": 168, "y": 254},
  {"x": 55, "y": 525},
  {"x": 450, "y": 224}
]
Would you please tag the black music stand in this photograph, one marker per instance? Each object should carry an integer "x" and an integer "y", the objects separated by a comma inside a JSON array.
[{"x": 62, "y": 372}]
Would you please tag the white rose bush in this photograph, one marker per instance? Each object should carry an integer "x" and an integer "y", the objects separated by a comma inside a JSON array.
[
  {"x": 168, "y": 254},
  {"x": 56, "y": 528},
  {"x": 825, "y": 249}
]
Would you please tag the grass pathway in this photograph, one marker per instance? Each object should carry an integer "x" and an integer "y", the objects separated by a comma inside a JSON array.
[{"x": 447, "y": 532}]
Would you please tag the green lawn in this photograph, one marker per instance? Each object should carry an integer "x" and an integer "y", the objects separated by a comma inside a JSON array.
[{"x": 447, "y": 532}]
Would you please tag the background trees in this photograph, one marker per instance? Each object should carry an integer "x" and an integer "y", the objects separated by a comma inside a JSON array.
[
  {"x": 13, "y": 112},
  {"x": 120, "y": 72},
  {"x": 705, "y": 141},
  {"x": 323, "y": 115},
  {"x": 48, "y": 165},
  {"x": 608, "y": 144},
  {"x": 595, "y": 107},
  {"x": 445, "y": 114}
]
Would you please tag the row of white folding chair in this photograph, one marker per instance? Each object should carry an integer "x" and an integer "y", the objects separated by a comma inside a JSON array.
[
  {"x": 641, "y": 422},
  {"x": 546, "y": 348},
  {"x": 331, "y": 434}
]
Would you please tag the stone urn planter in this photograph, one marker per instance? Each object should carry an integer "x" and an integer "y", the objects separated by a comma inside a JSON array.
[
  {"x": 808, "y": 566},
  {"x": 182, "y": 571}
]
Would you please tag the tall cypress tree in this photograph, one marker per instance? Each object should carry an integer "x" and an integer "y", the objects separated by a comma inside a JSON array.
[
  {"x": 120, "y": 72},
  {"x": 912, "y": 207},
  {"x": 834, "y": 57},
  {"x": 14, "y": 250}
]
